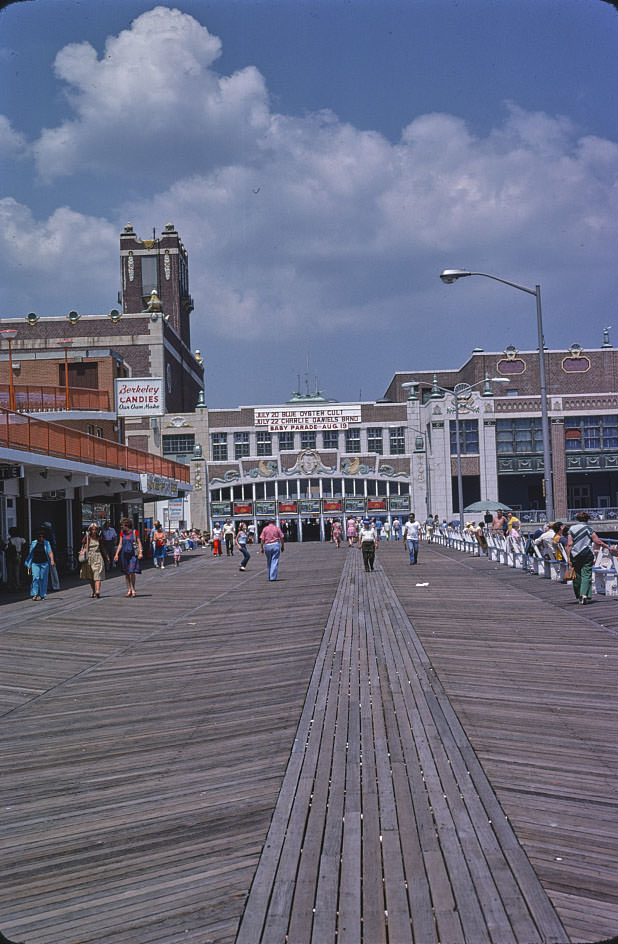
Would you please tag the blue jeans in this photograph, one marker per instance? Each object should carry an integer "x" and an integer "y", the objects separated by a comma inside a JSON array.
[
  {"x": 272, "y": 552},
  {"x": 413, "y": 550},
  {"x": 159, "y": 554},
  {"x": 40, "y": 576},
  {"x": 246, "y": 556}
]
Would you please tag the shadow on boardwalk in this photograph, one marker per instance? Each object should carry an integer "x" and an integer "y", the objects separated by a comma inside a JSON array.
[{"x": 152, "y": 745}]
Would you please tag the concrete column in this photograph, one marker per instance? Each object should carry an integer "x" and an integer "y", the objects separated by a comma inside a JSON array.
[{"x": 559, "y": 468}]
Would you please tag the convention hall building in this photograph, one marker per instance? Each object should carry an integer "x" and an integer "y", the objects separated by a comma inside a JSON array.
[{"x": 311, "y": 460}]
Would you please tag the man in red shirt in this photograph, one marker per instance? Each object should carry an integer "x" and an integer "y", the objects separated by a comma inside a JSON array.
[{"x": 271, "y": 541}]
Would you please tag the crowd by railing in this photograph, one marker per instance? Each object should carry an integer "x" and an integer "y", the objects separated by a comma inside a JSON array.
[
  {"x": 46, "y": 399},
  {"x": 528, "y": 515},
  {"x": 20, "y": 431},
  {"x": 519, "y": 550}
]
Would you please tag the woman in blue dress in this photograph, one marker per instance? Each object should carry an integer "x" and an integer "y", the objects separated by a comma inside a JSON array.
[{"x": 130, "y": 553}]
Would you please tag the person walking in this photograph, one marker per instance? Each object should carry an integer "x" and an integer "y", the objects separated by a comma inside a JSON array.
[
  {"x": 217, "y": 535},
  {"x": 411, "y": 532},
  {"x": 241, "y": 544},
  {"x": 130, "y": 553},
  {"x": 368, "y": 542},
  {"x": 159, "y": 545},
  {"x": 94, "y": 564},
  {"x": 110, "y": 540},
  {"x": 580, "y": 543},
  {"x": 177, "y": 553},
  {"x": 272, "y": 543},
  {"x": 337, "y": 533},
  {"x": 351, "y": 531},
  {"x": 228, "y": 537},
  {"x": 13, "y": 556},
  {"x": 396, "y": 529},
  {"x": 39, "y": 560}
]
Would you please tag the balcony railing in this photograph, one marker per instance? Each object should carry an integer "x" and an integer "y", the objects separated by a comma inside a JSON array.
[
  {"x": 31, "y": 398},
  {"x": 20, "y": 431}
]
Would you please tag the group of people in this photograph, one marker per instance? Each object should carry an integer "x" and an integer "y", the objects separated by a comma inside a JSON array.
[
  {"x": 574, "y": 544},
  {"x": 272, "y": 542},
  {"x": 366, "y": 536}
]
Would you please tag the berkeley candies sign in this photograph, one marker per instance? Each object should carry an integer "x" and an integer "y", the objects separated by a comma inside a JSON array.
[{"x": 140, "y": 396}]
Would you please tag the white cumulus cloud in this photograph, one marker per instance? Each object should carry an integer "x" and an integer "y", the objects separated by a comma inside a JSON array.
[{"x": 152, "y": 87}]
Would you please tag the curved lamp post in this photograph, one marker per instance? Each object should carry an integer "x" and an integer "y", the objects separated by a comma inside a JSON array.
[
  {"x": 460, "y": 392},
  {"x": 451, "y": 275}
]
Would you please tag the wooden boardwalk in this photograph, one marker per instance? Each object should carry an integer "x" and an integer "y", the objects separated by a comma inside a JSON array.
[{"x": 334, "y": 757}]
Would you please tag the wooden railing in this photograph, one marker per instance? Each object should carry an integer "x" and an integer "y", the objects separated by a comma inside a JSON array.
[
  {"x": 33, "y": 398},
  {"x": 20, "y": 431}
]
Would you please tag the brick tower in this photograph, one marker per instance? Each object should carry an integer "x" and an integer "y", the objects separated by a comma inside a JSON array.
[{"x": 159, "y": 264}]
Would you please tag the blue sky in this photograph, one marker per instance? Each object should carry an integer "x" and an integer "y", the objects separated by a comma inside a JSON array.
[{"x": 323, "y": 162}]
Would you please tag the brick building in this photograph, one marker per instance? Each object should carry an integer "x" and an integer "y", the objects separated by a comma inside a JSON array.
[{"x": 147, "y": 337}]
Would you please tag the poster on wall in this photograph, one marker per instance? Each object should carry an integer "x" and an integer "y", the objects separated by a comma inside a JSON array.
[
  {"x": 139, "y": 396},
  {"x": 331, "y": 504},
  {"x": 400, "y": 502},
  {"x": 175, "y": 511},
  {"x": 242, "y": 508},
  {"x": 288, "y": 508},
  {"x": 265, "y": 509},
  {"x": 376, "y": 504},
  {"x": 221, "y": 509},
  {"x": 309, "y": 506},
  {"x": 355, "y": 505}
]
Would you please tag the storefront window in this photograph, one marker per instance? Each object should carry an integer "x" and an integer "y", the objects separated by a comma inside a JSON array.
[
  {"x": 178, "y": 445},
  {"x": 519, "y": 435},
  {"x": 352, "y": 440},
  {"x": 468, "y": 437},
  {"x": 330, "y": 439},
  {"x": 219, "y": 447},
  {"x": 241, "y": 445},
  {"x": 591, "y": 432},
  {"x": 264, "y": 443},
  {"x": 397, "y": 436},
  {"x": 374, "y": 439}
]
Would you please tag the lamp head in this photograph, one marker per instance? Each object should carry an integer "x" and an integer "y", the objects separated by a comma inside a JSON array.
[
  {"x": 451, "y": 275},
  {"x": 9, "y": 333}
]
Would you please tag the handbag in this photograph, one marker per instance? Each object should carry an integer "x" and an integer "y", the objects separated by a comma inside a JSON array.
[
  {"x": 569, "y": 573},
  {"x": 82, "y": 557}
]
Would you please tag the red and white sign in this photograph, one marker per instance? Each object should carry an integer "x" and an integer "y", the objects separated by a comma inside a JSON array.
[{"x": 140, "y": 396}]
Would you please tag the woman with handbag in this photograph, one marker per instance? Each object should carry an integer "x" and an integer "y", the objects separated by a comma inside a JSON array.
[
  {"x": 92, "y": 559},
  {"x": 130, "y": 553},
  {"x": 38, "y": 562}
]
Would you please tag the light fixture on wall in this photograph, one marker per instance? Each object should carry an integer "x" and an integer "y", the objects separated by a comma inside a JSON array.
[
  {"x": 73, "y": 317},
  {"x": 114, "y": 316},
  {"x": 32, "y": 318}
]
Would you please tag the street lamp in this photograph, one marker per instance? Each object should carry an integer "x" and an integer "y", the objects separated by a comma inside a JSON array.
[
  {"x": 66, "y": 344},
  {"x": 9, "y": 334},
  {"x": 460, "y": 392},
  {"x": 451, "y": 275}
]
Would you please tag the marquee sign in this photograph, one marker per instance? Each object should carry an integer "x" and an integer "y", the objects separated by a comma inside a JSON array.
[
  {"x": 300, "y": 418},
  {"x": 139, "y": 396}
]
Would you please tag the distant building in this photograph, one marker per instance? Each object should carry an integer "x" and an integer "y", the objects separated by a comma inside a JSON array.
[{"x": 310, "y": 460}]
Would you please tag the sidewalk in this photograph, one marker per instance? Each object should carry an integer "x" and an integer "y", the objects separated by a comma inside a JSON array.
[{"x": 151, "y": 745}]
